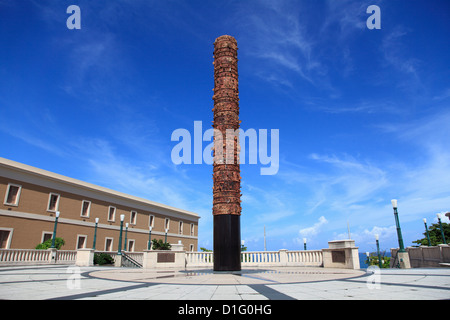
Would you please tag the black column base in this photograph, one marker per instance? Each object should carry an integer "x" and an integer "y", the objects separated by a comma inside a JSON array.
[{"x": 227, "y": 242}]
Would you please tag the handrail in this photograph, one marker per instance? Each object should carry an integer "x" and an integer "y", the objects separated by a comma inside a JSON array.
[{"x": 131, "y": 260}]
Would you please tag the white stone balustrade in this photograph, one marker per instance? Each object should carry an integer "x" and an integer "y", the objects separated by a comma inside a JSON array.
[
  {"x": 199, "y": 259},
  {"x": 21, "y": 256},
  {"x": 341, "y": 254}
]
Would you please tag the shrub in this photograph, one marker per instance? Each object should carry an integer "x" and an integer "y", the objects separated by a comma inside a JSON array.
[
  {"x": 59, "y": 242},
  {"x": 160, "y": 245},
  {"x": 103, "y": 258}
]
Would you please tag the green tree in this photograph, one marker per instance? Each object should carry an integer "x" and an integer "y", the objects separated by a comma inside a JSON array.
[
  {"x": 372, "y": 260},
  {"x": 59, "y": 242},
  {"x": 435, "y": 235}
]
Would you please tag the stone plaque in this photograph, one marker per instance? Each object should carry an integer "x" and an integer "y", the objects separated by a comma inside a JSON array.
[
  {"x": 338, "y": 256},
  {"x": 165, "y": 257}
]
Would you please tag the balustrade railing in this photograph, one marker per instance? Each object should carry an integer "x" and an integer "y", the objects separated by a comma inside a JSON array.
[
  {"x": 311, "y": 258},
  {"x": 199, "y": 259},
  {"x": 66, "y": 256},
  {"x": 260, "y": 258},
  {"x": 193, "y": 259},
  {"x": 17, "y": 256}
]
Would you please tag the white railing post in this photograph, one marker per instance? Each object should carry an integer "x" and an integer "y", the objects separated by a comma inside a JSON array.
[{"x": 283, "y": 257}]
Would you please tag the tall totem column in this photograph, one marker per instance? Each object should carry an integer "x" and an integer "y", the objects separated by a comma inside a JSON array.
[{"x": 226, "y": 171}]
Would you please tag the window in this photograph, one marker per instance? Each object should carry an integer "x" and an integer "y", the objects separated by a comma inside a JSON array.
[
  {"x": 133, "y": 217},
  {"x": 111, "y": 213},
  {"x": 12, "y": 194},
  {"x": 191, "y": 247},
  {"x": 166, "y": 224},
  {"x": 5, "y": 238},
  {"x": 85, "y": 208},
  {"x": 109, "y": 244},
  {"x": 46, "y": 235},
  {"x": 81, "y": 242},
  {"x": 130, "y": 245},
  {"x": 180, "y": 227},
  {"x": 53, "y": 202},
  {"x": 151, "y": 221},
  {"x": 192, "y": 229}
]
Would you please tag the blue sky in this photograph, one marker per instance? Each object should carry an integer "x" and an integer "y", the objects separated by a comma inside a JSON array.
[{"x": 363, "y": 115}]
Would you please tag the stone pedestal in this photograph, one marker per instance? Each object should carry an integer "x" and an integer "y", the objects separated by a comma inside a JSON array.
[
  {"x": 52, "y": 255},
  {"x": 341, "y": 254},
  {"x": 403, "y": 258},
  {"x": 118, "y": 260},
  {"x": 164, "y": 259},
  {"x": 85, "y": 257},
  {"x": 177, "y": 247}
]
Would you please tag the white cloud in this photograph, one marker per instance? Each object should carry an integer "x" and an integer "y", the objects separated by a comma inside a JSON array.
[
  {"x": 315, "y": 229},
  {"x": 349, "y": 181},
  {"x": 275, "y": 33}
]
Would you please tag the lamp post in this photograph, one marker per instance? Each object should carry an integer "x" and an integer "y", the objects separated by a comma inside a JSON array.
[
  {"x": 426, "y": 230},
  {"x": 165, "y": 236},
  {"x": 119, "y": 251},
  {"x": 54, "y": 229},
  {"x": 442, "y": 229},
  {"x": 126, "y": 235},
  {"x": 95, "y": 233},
  {"x": 149, "y": 238},
  {"x": 380, "y": 264},
  {"x": 304, "y": 243},
  {"x": 397, "y": 223},
  {"x": 368, "y": 258}
]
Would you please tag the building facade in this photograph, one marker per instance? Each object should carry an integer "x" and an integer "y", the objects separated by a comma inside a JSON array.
[{"x": 32, "y": 196}]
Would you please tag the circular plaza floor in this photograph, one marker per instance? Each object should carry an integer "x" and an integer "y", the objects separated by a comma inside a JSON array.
[{"x": 282, "y": 275}]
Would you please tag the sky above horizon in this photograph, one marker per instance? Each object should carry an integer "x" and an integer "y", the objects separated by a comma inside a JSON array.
[{"x": 363, "y": 115}]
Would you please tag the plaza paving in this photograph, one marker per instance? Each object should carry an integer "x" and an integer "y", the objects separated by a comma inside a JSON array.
[{"x": 107, "y": 283}]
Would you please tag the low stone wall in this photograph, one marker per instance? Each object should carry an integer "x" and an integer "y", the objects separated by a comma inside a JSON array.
[
  {"x": 424, "y": 257},
  {"x": 164, "y": 259}
]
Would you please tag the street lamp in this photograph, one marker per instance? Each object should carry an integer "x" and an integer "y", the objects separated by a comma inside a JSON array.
[
  {"x": 165, "y": 237},
  {"x": 368, "y": 258},
  {"x": 149, "y": 238},
  {"x": 397, "y": 223},
  {"x": 95, "y": 233},
  {"x": 54, "y": 229},
  {"x": 126, "y": 235},
  {"x": 442, "y": 229},
  {"x": 426, "y": 229},
  {"x": 119, "y": 251},
  {"x": 380, "y": 264},
  {"x": 304, "y": 243}
]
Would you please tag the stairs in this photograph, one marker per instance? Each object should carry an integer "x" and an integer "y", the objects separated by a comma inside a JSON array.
[{"x": 129, "y": 262}]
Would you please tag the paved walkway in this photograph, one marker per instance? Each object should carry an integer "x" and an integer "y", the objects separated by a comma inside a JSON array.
[{"x": 107, "y": 283}]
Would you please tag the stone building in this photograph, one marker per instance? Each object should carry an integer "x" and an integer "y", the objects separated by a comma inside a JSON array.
[{"x": 32, "y": 196}]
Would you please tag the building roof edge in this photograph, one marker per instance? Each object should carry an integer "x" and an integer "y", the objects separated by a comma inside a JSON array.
[{"x": 61, "y": 178}]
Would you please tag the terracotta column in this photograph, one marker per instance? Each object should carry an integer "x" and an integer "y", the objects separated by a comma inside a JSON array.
[{"x": 226, "y": 171}]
